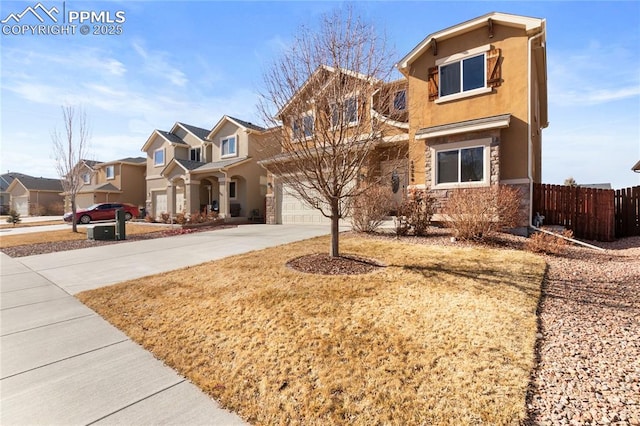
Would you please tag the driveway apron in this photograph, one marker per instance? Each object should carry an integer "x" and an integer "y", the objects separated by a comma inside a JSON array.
[{"x": 61, "y": 363}]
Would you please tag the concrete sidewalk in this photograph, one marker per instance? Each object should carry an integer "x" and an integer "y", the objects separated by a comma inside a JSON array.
[{"x": 63, "y": 364}]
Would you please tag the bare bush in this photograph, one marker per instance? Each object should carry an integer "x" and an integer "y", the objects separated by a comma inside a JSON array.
[
  {"x": 475, "y": 213},
  {"x": 370, "y": 208},
  {"x": 541, "y": 242}
]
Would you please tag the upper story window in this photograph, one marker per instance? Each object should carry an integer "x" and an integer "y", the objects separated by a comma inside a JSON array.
[
  {"x": 304, "y": 126},
  {"x": 86, "y": 178},
  {"x": 158, "y": 157},
  {"x": 400, "y": 100},
  {"x": 110, "y": 171},
  {"x": 348, "y": 115},
  {"x": 228, "y": 147},
  {"x": 474, "y": 72},
  {"x": 195, "y": 154}
]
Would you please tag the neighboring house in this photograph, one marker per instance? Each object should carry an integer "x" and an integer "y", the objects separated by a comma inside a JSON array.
[
  {"x": 5, "y": 197},
  {"x": 479, "y": 92},
  {"x": 35, "y": 195},
  {"x": 190, "y": 169},
  {"x": 595, "y": 185},
  {"x": 119, "y": 181},
  {"x": 636, "y": 167},
  {"x": 387, "y": 107}
]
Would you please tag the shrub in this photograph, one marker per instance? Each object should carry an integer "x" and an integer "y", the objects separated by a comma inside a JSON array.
[
  {"x": 165, "y": 217},
  {"x": 370, "y": 208},
  {"x": 181, "y": 218},
  {"x": 418, "y": 208},
  {"x": 56, "y": 209},
  {"x": 479, "y": 212},
  {"x": 14, "y": 217},
  {"x": 541, "y": 242},
  {"x": 37, "y": 210}
]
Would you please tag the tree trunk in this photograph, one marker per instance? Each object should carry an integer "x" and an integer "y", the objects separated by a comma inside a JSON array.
[
  {"x": 74, "y": 220},
  {"x": 335, "y": 231}
]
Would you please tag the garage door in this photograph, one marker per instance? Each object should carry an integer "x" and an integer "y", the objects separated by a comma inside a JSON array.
[
  {"x": 296, "y": 211},
  {"x": 159, "y": 203},
  {"x": 21, "y": 205}
]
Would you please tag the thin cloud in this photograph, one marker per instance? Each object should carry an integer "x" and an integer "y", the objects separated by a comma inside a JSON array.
[{"x": 157, "y": 64}]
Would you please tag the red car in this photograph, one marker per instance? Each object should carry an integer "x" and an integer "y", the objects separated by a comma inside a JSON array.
[{"x": 103, "y": 211}]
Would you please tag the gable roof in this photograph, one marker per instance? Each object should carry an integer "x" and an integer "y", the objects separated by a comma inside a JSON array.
[
  {"x": 198, "y": 132},
  {"x": 324, "y": 69},
  {"x": 138, "y": 161},
  {"x": 186, "y": 165},
  {"x": 36, "y": 183},
  {"x": 7, "y": 178},
  {"x": 105, "y": 187},
  {"x": 167, "y": 136},
  {"x": 236, "y": 121},
  {"x": 530, "y": 25},
  {"x": 636, "y": 167}
]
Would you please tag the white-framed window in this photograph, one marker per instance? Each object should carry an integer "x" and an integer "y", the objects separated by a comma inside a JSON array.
[
  {"x": 304, "y": 126},
  {"x": 348, "y": 115},
  {"x": 195, "y": 154},
  {"x": 228, "y": 147},
  {"x": 110, "y": 171},
  {"x": 461, "y": 164},
  {"x": 86, "y": 178},
  {"x": 399, "y": 100},
  {"x": 158, "y": 157},
  {"x": 462, "y": 74},
  {"x": 233, "y": 189}
]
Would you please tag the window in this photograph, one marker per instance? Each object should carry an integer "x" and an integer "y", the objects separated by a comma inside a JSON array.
[
  {"x": 400, "y": 100},
  {"x": 86, "y": 178},
  {"x": 349, "y": 112},
  {"x": 110, "y": 170},
  {"x": 228, "y": 146},
  {"x": 158, "y": 157},
  {"x": 460, "y": 165},
  {"x": 473, "y": 72},
  {"x": 194, "y": 154},
  {"x": 304, "y": 127},
  {"x": 462, "y": 76},
  {"x": 233, "y": 187}
]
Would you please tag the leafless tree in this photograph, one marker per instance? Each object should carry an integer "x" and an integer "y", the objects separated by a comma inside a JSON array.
[
  {"x": 318, "y": 97},
  {"x": 69, "y": 149}
]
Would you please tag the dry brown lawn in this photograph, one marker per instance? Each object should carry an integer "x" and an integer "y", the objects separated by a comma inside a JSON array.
[
  {"x": 66, "y": 235},
  {"x": 4, "y": 224},
  {"x": 439, "y": 336}
]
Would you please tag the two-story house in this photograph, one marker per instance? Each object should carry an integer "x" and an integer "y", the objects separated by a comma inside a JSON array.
[
  {"x": 118, "y": 181},
  {"x": 334, "y": 112},
  {"x": 479, "y": 104},
  {"x": 190, "y": 169}
]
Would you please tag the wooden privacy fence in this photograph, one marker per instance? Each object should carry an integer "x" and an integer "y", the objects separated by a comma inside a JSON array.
[
  {"x": 627, "y": 205},
  {"x": 588, "y": 212}
]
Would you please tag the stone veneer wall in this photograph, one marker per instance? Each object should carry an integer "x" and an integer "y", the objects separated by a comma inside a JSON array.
[{"x": 270, "y": 209}]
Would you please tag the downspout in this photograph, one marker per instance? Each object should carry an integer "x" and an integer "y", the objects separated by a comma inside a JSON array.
[{"x": 529, "y": 138}]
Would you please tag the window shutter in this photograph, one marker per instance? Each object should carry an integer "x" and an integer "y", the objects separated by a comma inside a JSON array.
[
  {"x": 494, "y": 68},
  {"x": 433, "y": 83}
]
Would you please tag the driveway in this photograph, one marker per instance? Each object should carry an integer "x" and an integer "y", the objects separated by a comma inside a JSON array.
[{"x": 63, "y": 364}]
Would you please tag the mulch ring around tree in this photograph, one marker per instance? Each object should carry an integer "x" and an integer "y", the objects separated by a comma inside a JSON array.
[{"x": 324, "y": 264}]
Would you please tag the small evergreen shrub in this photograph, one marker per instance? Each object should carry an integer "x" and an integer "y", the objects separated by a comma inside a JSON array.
[{"x": 14, "y": 217}]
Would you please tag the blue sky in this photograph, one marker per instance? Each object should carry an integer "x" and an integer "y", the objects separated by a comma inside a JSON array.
[{"x": 198, "y": 60}]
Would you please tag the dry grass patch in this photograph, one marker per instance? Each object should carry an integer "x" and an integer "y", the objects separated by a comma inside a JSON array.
[
  {"x": 439, "y": 336},
  {"x": 5, "y": 225},
  {"x": 66, "y": 235}
]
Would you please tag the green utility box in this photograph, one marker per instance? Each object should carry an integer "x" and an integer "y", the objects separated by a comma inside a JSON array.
[{"x": 101, "y": 232}]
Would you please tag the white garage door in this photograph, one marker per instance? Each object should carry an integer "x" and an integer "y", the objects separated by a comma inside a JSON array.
[
  {"x": 21, "y": 205},
  {"x": 296, "y": 211},
  {"x": 159, "y": 203}
]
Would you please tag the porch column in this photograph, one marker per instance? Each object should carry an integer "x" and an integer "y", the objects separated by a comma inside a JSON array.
[
  {"x": 171, "y": 199},
  {"x": 192, "y": 195},
  {"x": 224, "y": 197}
]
